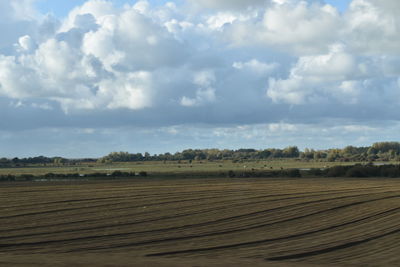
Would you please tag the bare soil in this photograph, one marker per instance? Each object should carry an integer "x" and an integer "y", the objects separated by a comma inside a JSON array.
[{"x": 201, "y": 222}]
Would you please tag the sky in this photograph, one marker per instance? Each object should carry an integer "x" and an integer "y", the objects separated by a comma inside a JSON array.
[{"x": 84, "y": 78}]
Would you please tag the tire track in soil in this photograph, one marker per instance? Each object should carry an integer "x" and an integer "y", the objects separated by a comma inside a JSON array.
[
  {"x": 163, "y": 203},
  {"x": 97, "y": 206},
  {"x": 49, "y": 242},
  {"x": 159, "y": 218},
  {"x": 293, "y": 256},
  {"x": 257, "y": 242},
  {"x": 105, "y": 198},
  {"x": 331, "y": 249}
]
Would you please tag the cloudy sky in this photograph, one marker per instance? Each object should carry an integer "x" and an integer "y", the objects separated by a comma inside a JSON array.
[{"x": 84, "y": 78}]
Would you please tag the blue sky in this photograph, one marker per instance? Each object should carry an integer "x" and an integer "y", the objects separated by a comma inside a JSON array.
[
  {"x": 160, "y": 76},
  {"x": 342, "y": 5},
  {"x": 58, "y": 8},
  {"x": 61, "y": 8}
]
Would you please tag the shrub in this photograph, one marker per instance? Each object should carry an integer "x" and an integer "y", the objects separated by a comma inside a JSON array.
[
  {"x": 316, "y": 172},
  {"x": 116, "y": 174},
  {"x": 357, "y": 171},
  {"x": 337, "y": 171},
  {"x": 26, "y": 177},
  {"x": 97, "y": 174},
  {"x": 231, "y": 174},
  {"x": 292, "y": 173},
  {"x": 390, "y": 171},
  {"x": 7, "y": 178},
  {"x": 247, "y": 174}
]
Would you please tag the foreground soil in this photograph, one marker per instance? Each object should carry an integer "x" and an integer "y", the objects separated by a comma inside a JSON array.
[{"x": 201, "y": 222}]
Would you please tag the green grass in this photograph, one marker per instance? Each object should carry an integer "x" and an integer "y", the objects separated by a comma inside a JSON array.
[{"x": 172, "y": 167}]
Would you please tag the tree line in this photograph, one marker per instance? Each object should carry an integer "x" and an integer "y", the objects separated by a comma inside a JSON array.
[{"x": 381, "y": 151}]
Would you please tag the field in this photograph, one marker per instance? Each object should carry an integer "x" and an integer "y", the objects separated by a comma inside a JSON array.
[
  {"x": 201, "y": 222},
  {"x": 173, "y": 167}
]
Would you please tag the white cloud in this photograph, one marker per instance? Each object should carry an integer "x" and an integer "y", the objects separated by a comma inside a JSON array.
[
  {"x": 281, "y": 127},
  {"x": 132, "y": 91},
  {"x": 142, "y": 6},
  {"x": 335, "y": 66},
  {"x": 21, "y": 10},
  {"x": 256, "y": 66},
  {"x": 204, "y": 78},
  {"x": 16, "y": 81},
  {"x": 216, "y": 22},
  {"x": 355, "y": 128},
  {"x": 188, "y": 102},
  {"x": 26, "y": 43},
  {"x": 294, "y": 26},
  {"x": 241, "y": 61},
  {"x": 100, "y": 58},
  {"x": 337, "y": 74},
  {"x": 18, "y": 18},
  {"x": 290, "y": 91},
  {"x": 205, "y": 93},
  {"x": 372, "y": 27},
  {"x": 203, "y": 96},
  {"x": 97, "y": 8},
  {"x": 228, "y": 4}
]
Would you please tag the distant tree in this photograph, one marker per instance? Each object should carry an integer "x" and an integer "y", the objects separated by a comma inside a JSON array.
[{"x": 291, "y": 152}]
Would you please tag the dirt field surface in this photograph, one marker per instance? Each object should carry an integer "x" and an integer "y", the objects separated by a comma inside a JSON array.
[{"x": 201, "y": 222}]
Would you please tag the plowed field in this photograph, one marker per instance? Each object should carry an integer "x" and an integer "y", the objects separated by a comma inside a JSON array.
[{"x": 282, "y": 222}]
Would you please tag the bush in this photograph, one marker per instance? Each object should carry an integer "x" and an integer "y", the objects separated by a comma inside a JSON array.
[
  {"x": 247, "y": 174},
  {"x": 231, "y": 174},
  {"x": 357, "y": 171},
  {"x": 97, "y": 174},
  {"x": 337, "y": 171},
  {"x": 117, "y": 174},
  {"x": 363, "y": 171},
  {"x": 390, "y": 171},
  {"x": 26, "y": 177},
  {"x": 316, "y": 172},
  {"x": 7, "y": 178},
  {"x": 143, "y": 174},
  {"x": 292, "y": 173}
]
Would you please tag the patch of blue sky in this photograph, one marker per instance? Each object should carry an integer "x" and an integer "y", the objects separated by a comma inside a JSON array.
[
  {"x": 61, "y": 8},
  {"x": 341, "y": 5}
]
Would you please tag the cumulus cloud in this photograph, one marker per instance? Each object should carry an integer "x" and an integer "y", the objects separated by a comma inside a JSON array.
[
  {"x": 233, "y": 62},
  {"x": 294, "y": 26},
  {"x": 25, "y": 43},
  {"x": 17, "y": 19},
  {"x": 338, "y": 76},
  {"x": 228, "y": 4},
  {"x": 372, "y": 26},
  {"x": 315, "y": 76},
  {"x": 203, "y": 96},
  {"x": 205, "y": 93},
  {"x": 100, "y": 57},
  {"x": 133, "y": 91}
]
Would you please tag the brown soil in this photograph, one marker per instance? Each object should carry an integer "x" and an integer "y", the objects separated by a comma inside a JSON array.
[{"x": 201, "y": 222}]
